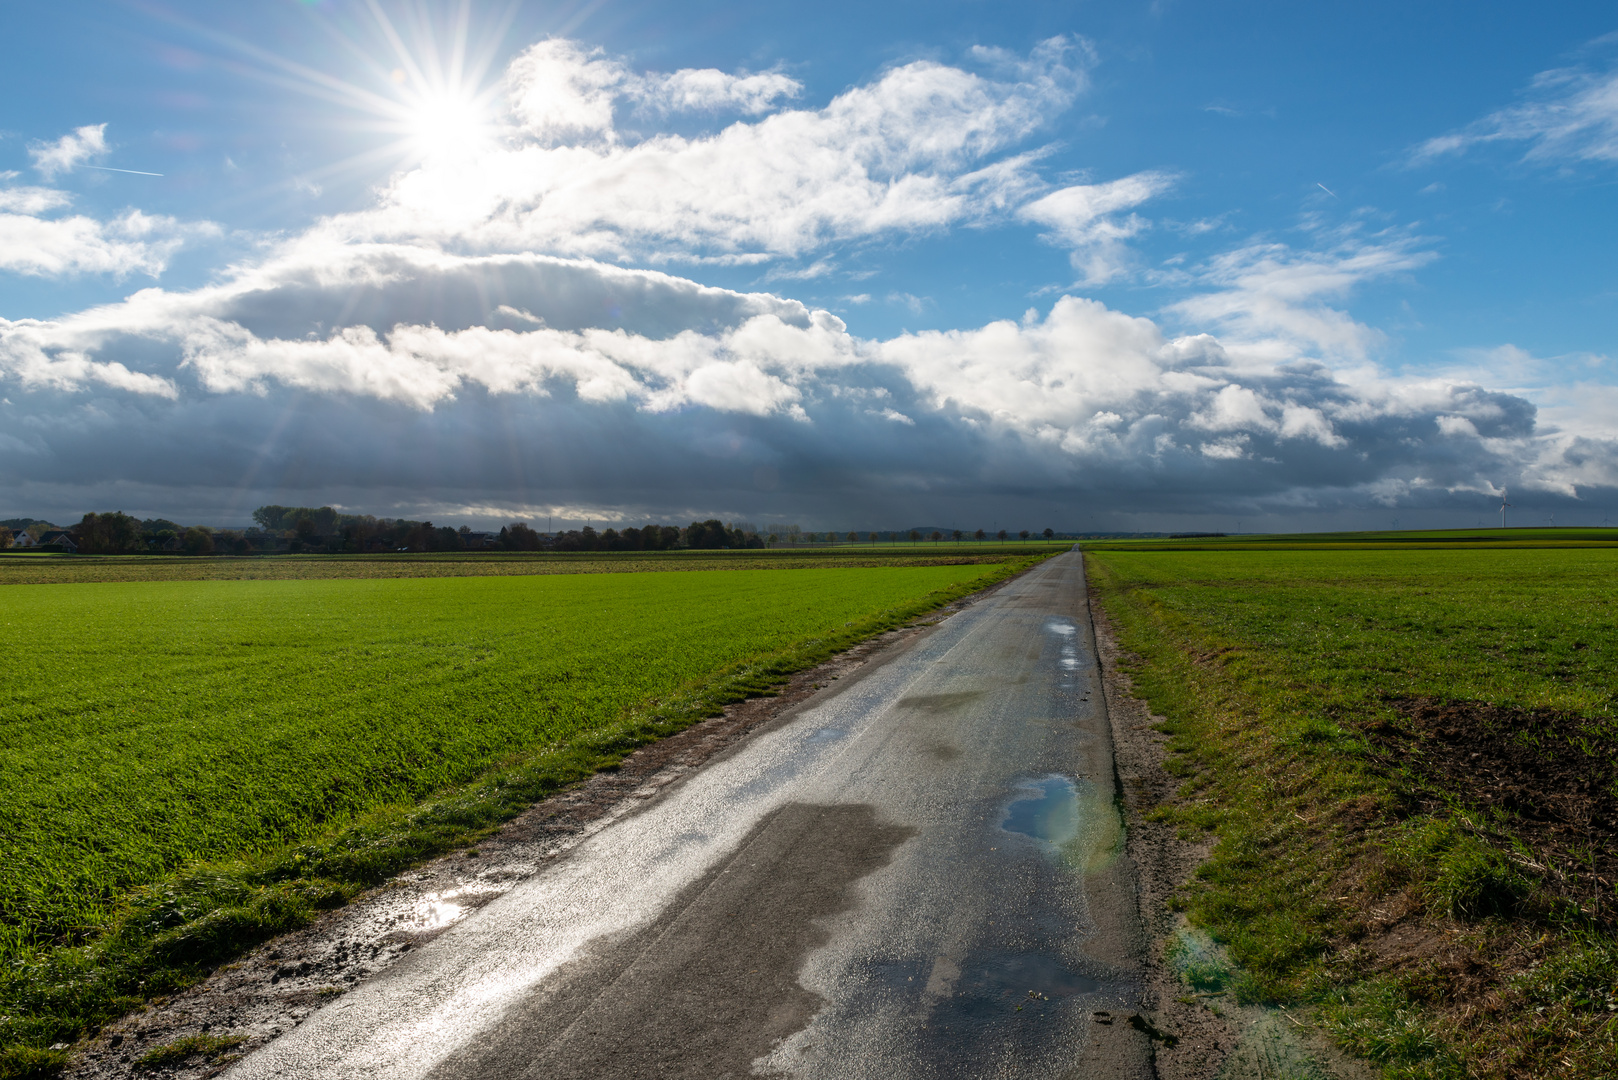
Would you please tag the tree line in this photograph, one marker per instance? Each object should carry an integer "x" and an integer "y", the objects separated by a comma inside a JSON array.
[{"x": 297, "y": 529}]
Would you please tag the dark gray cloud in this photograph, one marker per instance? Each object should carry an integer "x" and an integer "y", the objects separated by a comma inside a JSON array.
[{"x": 704, "y": 401}]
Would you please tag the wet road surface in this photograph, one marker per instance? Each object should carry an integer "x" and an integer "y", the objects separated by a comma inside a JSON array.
[{"x": 917, "y": 874}]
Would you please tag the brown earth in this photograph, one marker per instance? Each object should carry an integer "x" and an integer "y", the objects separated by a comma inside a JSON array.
[{"x": 1552, "y": 777}]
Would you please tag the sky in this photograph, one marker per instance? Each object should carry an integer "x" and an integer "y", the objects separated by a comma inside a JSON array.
[{"x": 1089, "y": 266}]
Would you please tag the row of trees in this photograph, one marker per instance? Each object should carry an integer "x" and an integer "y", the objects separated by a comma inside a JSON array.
[
  {"x": 710, "y": 534},
  {"x": 324, "y": 529}
]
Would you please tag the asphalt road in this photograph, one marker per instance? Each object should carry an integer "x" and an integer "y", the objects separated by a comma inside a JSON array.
[{"x": 916, "y": 874}]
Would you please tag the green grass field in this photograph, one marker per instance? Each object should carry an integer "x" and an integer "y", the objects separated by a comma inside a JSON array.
[
  {"x": 34, "y": 568},
  {"x": 1287, "y": 672},
  {"x": 190, "y": 766}
]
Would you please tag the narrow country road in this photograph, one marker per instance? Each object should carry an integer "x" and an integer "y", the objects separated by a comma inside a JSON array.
[{"x": 916, "y": 874}]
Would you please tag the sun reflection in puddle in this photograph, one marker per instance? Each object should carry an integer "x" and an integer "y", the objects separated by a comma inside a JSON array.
[{"x": 438, "y": 910}]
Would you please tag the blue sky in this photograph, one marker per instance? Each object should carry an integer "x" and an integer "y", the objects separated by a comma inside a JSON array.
[{"x": 1086, "y": 265}]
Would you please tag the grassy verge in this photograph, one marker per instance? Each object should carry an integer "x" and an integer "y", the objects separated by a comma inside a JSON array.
[
  {"x": 165, "y": 934},
  {"x": 1406, "y": 761}
]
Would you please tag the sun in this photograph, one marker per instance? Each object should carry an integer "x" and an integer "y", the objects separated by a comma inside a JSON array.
[
  {"x": 447, "y": 123},
  {"x": 416, "y": 92}
]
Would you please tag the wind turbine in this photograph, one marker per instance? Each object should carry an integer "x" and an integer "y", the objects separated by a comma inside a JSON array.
[{"x": 1503, "y": 505}]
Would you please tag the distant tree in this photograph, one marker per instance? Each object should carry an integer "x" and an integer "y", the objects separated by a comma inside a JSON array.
[
  {"x": 198, "y": 541},
  {"x": 270, "y": 517},
  {"x": 1023, "y": 534},
  {"x": 108, "y": 534},
  {"x": 774, "y": 539},
  {"x": 1001, "y": 534},
  {"x": 1049, "y": 533},
  {"x": 980, "y": 535},
  {"x": 707, "y": 535},
  {"x": 937, "y": 536},
  {"x": 5, "y": 537},
  {"x": 519, "y": 537},
  {"x": 853, "y": 537},
  {"x": 957, "y": 534},
  {"x": 914, "y": 536},
  {"x": 231, "y": 540}
]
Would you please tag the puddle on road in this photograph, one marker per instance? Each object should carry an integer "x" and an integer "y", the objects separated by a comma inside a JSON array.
[
  {"x": 1049, "y": 813},
  {"x": 1068, "y": 633},
  {"x": 1075, "y": 820},
  {"x": 986, "y": 983},
  {"x": 991, "y": 985},
  {"x": 999, "y": 973}
]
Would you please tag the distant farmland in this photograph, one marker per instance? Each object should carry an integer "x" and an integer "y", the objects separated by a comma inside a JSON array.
[{"x": 151, "y": 728}]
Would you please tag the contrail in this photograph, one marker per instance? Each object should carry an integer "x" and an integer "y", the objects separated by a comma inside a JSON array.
[
  {"x": 132, "y": 172},
  {"x": 1326, "y": 189}
]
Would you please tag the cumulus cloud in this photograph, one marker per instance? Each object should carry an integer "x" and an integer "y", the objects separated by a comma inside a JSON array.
[
  {"x": 50, "y": 247},
  {"x": 1567, "y": 114},
  {"x": 342, "y": 366},
  {"x": 1275, "y": 302},
  {"x": 72, "y": 149},
  {"x": 922, "y": 147},
  {"x": 1084, "y": 218},
  {"x": 559, "y": 90}
]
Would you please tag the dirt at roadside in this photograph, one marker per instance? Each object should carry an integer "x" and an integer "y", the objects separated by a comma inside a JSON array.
[
  {"x": 1201, "y": 1039},
  {"x": 248, "y": 1003}
]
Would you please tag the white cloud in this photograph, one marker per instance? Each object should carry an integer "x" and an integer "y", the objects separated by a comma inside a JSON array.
[
  {"x": 712, "y": 90},
  {"x": 913, "y": 151},
  {"x": 1271, "y": 300},
  {"x": 1568, "y": 114},
  {"x": 559, "y": 91},
  {"x": 70, "y": 150},
  {"x": 132, "y": 243},
  {"x": 32, "y": 200},
  {"x": 1084, "y": 218}
]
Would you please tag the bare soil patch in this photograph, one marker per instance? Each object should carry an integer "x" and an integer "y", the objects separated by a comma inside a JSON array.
[{"x": 1553, "y": 778}]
